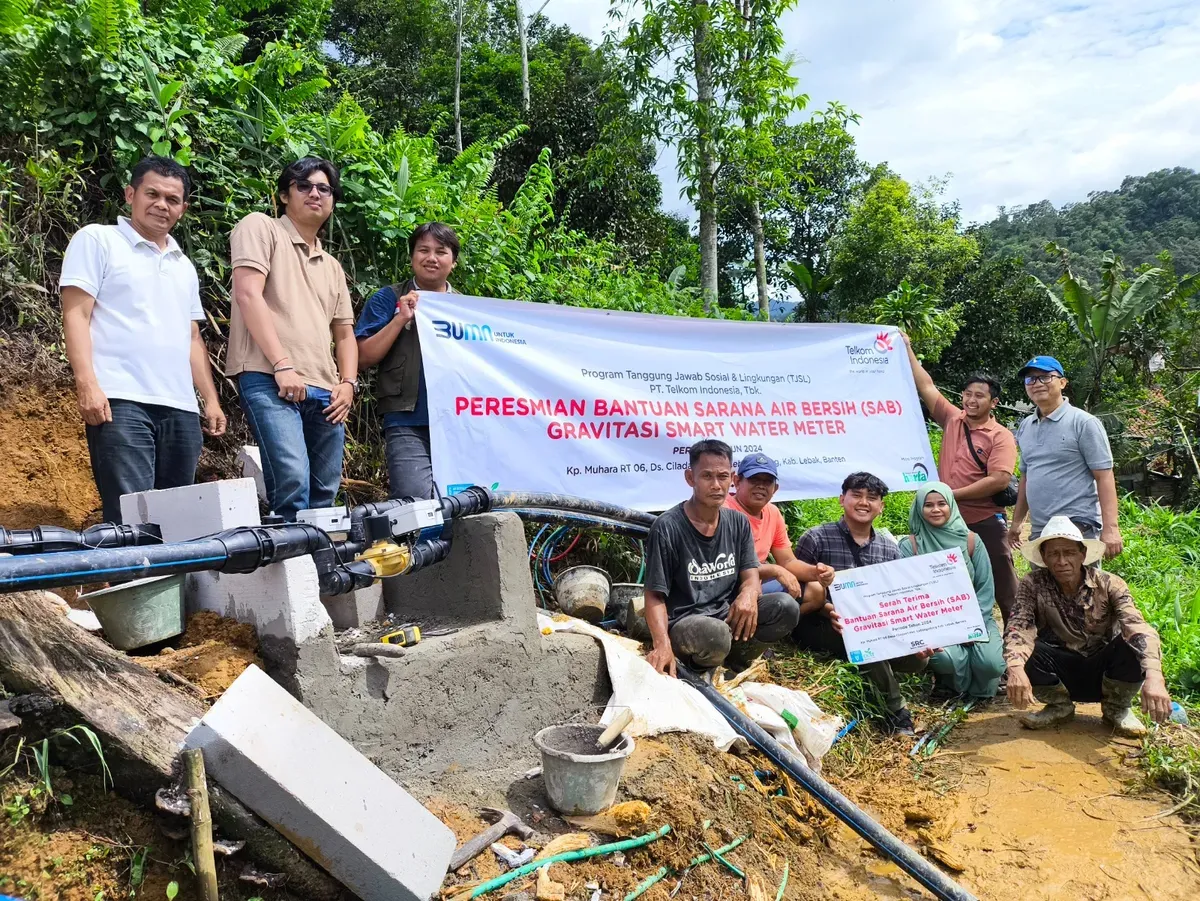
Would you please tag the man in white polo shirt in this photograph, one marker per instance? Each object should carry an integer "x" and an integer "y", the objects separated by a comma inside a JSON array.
[{"x": 131, "y": 301}]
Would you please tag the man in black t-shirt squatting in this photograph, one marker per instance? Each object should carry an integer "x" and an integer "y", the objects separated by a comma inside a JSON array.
[{"x": 704, "y": 600}]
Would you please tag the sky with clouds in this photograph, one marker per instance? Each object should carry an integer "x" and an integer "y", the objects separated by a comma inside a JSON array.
[{"x": 1016, "y": 100}]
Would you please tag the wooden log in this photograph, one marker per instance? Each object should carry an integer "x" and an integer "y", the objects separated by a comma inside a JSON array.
[
  {"x": 141, "y": 722},
  {"x": 201, "y": 824}
]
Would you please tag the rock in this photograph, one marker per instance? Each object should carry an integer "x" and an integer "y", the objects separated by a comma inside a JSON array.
[
  {"x": 547, "y": 889},
  {"x": 8, "y": 721}
]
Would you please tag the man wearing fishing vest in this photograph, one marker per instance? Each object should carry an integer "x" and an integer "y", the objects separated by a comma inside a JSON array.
[{"x": 387, "y": 337}]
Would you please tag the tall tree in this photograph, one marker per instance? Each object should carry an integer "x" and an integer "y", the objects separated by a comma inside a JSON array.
[
  {"x": 458, "y": 44},
  {"x": 523, "y": 40},
  {"x": 894, "y": 233},
  {"x": 685, "y": 63}
]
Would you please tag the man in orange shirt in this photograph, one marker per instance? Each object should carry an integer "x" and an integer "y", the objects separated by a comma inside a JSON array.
[
  {"x": 978, "y": 458},
  {"x": 755, "y": 484}
]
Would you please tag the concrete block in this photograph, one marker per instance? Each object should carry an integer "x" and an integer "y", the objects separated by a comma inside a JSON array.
[
  {"x": 194, "y": 510},
  {"x": 485, "y": 579},
  {"x": 251, "y": 463},
  {"x": 281, "y": 601},
  {"x": 357, "y": 608},
  {"x": 296, "y": 773}
]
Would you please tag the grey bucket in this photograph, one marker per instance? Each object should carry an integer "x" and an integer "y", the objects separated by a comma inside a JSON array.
[
  {"x": 619, "y": 597},
  {"x": 582, "y": 591},
  {"x": 138, "y": 613},
  {"x": 578, "y": 781}
]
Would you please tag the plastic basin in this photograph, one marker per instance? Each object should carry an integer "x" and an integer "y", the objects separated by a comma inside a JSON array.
[
  {"x": 582, "y": 591},
  {"x": 138, "y": 613},
  {"x": 580, "y": 782}
]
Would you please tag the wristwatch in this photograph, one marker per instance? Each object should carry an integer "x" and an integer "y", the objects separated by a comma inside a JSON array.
[{"x": 352, "y": 383}]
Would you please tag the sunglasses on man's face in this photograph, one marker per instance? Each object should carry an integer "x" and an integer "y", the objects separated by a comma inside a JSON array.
[
  {"x": 305, "y": 187},
  {"x": 1045, "y": 379}
]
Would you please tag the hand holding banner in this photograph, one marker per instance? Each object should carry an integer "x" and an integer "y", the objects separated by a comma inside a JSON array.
[
  {"x": 904, "y": 606},
  {"x": 606, "y": 404}
]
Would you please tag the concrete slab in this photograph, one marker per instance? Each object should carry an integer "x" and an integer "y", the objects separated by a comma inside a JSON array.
[
  {"x": 295, "y": 772},
  {"x": 251, "y": 462}
]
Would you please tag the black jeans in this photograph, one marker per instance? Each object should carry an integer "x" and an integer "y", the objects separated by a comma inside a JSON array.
[
  {"x": 146, "y": 446},
  {"x": 704, "y": 642},
  {"x": 1083, "y": 675},
  {"x": 815, "y": 632}
]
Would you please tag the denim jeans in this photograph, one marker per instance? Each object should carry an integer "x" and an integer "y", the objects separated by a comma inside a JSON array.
[
  {"x": 301, "y": 452},
  {"x": 410, "y": 470},
  {"x": 146, "y": 446}
]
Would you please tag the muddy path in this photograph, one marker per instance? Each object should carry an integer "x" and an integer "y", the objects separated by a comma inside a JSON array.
[{"x": 1057, "y": 815}]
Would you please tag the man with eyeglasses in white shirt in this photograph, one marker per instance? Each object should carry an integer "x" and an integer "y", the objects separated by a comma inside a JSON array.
[{"x": 1066, "y": 463}]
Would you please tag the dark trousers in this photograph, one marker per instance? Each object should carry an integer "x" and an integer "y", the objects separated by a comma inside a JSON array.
[
  {"x": 410, "y": 469},
  {"x": 704, "y": 642},
  {"x": 815, "y": 632},
  {"x": 146, "y": 446},
  {"x": 1083, "y": 675},
  {"x": 993, "y": 531}
]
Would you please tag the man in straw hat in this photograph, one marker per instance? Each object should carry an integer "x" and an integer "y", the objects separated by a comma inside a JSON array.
[{"x": 1076, "y": 635}]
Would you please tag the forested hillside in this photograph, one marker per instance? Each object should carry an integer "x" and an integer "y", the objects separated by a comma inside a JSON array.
[{"x": 1146, "y": 215}]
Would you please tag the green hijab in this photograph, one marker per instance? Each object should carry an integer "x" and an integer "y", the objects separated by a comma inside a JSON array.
[{"x": 952, "y": 535}]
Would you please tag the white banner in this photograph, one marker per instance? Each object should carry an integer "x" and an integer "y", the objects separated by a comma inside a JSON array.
[
  {"x": 898, "y": 608},
  {"x": 605, "y": 405}
]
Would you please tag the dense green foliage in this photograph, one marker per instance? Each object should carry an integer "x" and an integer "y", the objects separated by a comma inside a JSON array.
[{"x": 1143, "y": 217}]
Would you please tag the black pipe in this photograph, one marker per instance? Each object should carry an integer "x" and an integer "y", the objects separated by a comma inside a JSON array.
[
  {"x": 505, "y": 500},
  {"x": 240, "y": 550},
  {"x": 581, "y": 521},
  {"x": 52, "y": 539},
  {"x": 842, "y": 807}
]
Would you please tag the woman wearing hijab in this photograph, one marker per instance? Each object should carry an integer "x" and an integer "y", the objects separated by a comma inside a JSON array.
[{"x": 972, "y": 669}]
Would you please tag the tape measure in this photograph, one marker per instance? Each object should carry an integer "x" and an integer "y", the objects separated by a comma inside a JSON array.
[{"x": 405, "y": 637}]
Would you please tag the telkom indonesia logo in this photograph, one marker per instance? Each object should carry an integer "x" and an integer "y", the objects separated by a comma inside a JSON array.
[
  {"x": 952, "y": 557},
  {"x": 883, "y": 342}
]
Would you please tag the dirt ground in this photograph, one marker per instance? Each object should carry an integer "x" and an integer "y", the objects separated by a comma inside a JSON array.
[
  {"x": 1055, "y": 815},
  {"x": 211, "y": 653},
  {"x": 45, "y": 472}
]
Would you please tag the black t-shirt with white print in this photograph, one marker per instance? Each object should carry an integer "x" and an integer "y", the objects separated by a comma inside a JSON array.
[{"x": 699, "y": 575}]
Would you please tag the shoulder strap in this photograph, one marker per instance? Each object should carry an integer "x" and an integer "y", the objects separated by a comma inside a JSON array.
[
  {"x": 855, "y": 550},
  {"x": 912, "y": 539},
  {"x": 971, "y": 446}
]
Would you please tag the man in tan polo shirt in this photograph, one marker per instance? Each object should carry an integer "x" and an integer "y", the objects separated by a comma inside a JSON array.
[
  {"x": 977, "y": 460},
  {"x": 290, "y": 304}
]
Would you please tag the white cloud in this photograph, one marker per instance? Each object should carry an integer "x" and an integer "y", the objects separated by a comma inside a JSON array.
[{"x": 1020, "y": 100}]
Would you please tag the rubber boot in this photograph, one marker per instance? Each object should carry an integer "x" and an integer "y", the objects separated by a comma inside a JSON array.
[
  {"x": 1059, "y": 707},
  {"x": 1116, "y": 700}
]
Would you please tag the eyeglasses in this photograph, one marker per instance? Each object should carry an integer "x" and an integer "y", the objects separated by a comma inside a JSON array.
[
  {"x": 305, "y": 187},
  {"x": 1045, "y": 379}
]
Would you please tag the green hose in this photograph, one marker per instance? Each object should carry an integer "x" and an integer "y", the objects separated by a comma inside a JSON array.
[
  {"x": 663, "y": 872},
  {"x": 493, "y": 884}
]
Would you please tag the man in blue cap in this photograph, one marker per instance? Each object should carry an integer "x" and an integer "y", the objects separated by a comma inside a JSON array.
[
  {"x": 1066, "y": 463},
  {"x": 755, "y": 484}
]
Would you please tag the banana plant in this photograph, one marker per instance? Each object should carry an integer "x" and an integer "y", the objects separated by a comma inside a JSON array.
[
  {"x": 1102, "y": 318},
  {"x": 811, "y": 285}
]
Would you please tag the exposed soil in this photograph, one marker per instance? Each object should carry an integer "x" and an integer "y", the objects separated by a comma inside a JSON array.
[
  {"x": 45, "y": 471},
  {"x": 1009, "y": 813},
  {"x": 85, "y": 851},
  {"x": 212, "y": 653}
]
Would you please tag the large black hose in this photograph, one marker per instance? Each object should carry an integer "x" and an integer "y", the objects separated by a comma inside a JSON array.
[
  {"x": 240, "y": 550},
  {"x": 838, "y": 804},
  {"x": 581, "y": 521},
  {"x": 50, "y": 539},
  {"x": 506, "y": 500}
]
